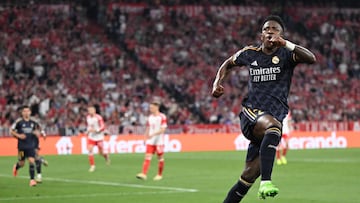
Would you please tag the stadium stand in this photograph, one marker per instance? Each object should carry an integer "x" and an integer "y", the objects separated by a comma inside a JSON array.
[
  {"x": 56, "y": 58},
  {"x": 190, "y": 45}
]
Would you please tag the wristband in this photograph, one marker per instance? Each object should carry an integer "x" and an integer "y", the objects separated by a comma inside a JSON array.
[{"x": 289, "y": 45}]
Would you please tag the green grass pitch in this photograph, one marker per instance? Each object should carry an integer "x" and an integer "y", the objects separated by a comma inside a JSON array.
[{"x": 311, "y": 176}]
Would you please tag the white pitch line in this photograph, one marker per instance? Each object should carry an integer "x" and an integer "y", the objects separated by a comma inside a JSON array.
[
  {"x": 84, "y": 195},
  {"x": 318, "y": 160},
  {"x": 94, "y": 182}
]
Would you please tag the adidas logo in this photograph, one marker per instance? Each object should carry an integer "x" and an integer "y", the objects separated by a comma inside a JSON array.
[{"x": 254, "y": 63}]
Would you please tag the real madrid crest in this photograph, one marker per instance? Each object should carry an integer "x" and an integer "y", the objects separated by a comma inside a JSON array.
[{"x": 275, "y": 60}]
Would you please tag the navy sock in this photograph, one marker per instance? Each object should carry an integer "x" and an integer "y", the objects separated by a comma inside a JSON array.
[
  {"x": 268, "y": 150},
  {"x": 17, "y": 166},
  {"x": 237, "y": 192},
  {"x": 38, "y": 166},
  {"x": 32, "y": 170}
]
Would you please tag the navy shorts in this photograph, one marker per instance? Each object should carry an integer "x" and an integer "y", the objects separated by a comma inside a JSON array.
[
  {"x": 248, "y": 118},
  {"x": 25, "y": 153}
]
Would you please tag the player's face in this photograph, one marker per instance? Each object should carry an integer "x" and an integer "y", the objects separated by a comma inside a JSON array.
[
  {"x": 26, "y": 112},
  {"x": 91, "y": 110},
  {"x": 153, "y": 108},
  {"x": 269, "y": 30}
]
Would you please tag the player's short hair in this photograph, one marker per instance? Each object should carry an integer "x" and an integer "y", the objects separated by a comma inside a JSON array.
[
  {"x": 275, "y": 18},
  {"x": 156, "y": 101},
  {"x": 24, "y": 107}
]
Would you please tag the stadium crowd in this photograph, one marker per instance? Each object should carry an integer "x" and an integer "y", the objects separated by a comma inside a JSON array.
[
  {"x": 57, "y": 61},
  {"x": 192, "y": 47},
  {"x": 53, "y": 60}
]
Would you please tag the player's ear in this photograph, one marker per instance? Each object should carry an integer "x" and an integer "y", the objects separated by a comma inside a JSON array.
[{"x": 261, "y": 36}]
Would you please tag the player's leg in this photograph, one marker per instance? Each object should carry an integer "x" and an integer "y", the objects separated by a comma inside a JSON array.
[
  {"x": 150, "y": 150},
  {"x": 31, "y": 158},
  {"x": 161, "y": 161},
  {"x": 250, "y": 173},
  {"x": 278, "y": 154},
  {"x": 91, "y": 158},
  {"x": 102, "y": 152},
  {"x": 38, "y": 166},
  {"x": 285, "y": 147},
  {"x": 20, "y": 163},
  {"x": 270, "y": 129}
]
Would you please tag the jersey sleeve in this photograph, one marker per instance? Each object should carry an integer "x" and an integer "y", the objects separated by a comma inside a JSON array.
[
  {"x": 37, "y": 125},
  {"x": 240, "y": 58},
  {"x": 101, "y": 123},
  {"x": 163, "y": 121},
  {"x": 291, "y": 56},
  {"x": 14, "y": 125}
]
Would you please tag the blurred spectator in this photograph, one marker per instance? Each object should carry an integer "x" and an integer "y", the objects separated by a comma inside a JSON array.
[{"x": 55, "y": 60}]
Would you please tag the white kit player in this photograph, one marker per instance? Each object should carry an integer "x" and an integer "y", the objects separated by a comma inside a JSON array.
[
  {"x": 154, "y": 133},
  {"x": 283, "y": 147},
  {"x": 95, "y": 131}
]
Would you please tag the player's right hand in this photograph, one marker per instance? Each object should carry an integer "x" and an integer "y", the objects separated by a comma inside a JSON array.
[
  {"x": 217, "y": 91},
  {"x": 21, "y": 136}
]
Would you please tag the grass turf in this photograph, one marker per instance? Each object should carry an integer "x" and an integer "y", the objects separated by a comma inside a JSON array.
[{"x": 311, "y": 176}]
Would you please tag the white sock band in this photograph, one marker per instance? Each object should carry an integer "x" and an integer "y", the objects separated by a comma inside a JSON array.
[{"x": 289, "y": 45}]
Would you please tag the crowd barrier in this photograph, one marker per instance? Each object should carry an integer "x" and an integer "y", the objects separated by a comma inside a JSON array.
[{"x": 64, "y": 145}]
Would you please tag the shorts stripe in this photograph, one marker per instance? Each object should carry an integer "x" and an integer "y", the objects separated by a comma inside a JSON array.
[
  {"x": 249, "y": 113},
  {"x": 252, "y": 114}
]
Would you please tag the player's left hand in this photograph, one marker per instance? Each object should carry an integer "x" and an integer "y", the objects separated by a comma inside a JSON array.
[
  {"x": 277, "y": 41},
  {"x": 43, "y": 134}
]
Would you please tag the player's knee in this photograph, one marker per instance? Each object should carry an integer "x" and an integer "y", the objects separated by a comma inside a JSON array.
[
  {"x": 275, "y": 133},
  {"x": 148, "y": 156},
  {"x": 90, "y": 147},
  {"x": 264, "y": 123},
  {"x": 31, "y": 160}
]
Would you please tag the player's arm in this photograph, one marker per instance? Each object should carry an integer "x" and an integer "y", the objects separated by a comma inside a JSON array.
[
  {"x": 290, "y": 124},
  {"x": 17, "y": 135},
  {"x": 101, "y": 125},
  {"x": 39, "y": 132},
  {"x": 221, "y": 74},
  {"x": 146, "y": 131},
  {"x": 159, "y": 132},
  {"x": 146, "y": 134},
  {"x": 301, "y": 54},
  {"x": 88, "y": 129}
]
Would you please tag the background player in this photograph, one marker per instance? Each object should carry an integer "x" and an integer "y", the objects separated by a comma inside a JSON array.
[
  {"x": 95, "y": 131},
  {"x": 283, "y": 147},
  {"x": 39, "y": 160},
  {"x": 25, "y": 129},
  {"x": 154, "y": 135},
  {"x": 271, "y": 68}
]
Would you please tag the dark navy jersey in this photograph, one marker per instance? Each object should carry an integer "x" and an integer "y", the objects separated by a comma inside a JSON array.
[
  {"x": 269, "y": 79},
  {"x": 26, "y": 127}
]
